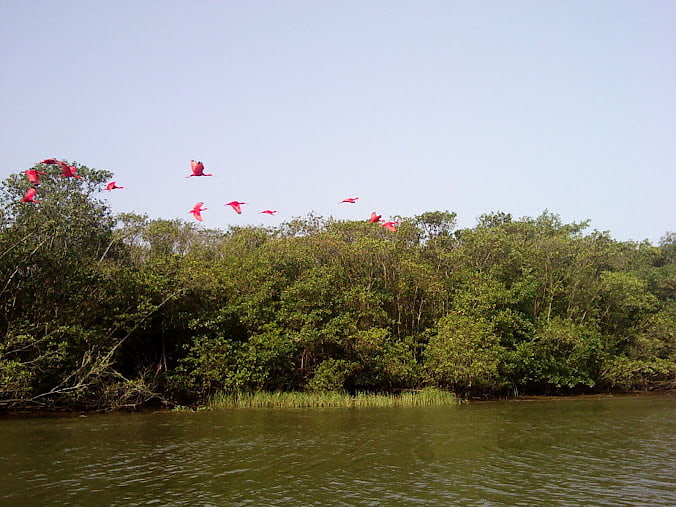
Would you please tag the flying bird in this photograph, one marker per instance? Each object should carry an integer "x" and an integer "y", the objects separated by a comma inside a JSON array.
[
  {"x": 375, "y": 218},
  {"x": 197, "y": 211},
  {"x": 112, "y": 186},
  {"x": 390, "y": 226},
  {"x": 236, "y": 205},
  {"x": 29, "y": 196},
  {"x": 68, "y": 171},
  {"x": 34, "y": 176},
  {"x": 50, "y": 161},
  {"x": 268, "y": 211},
  {"x": 197, "y": 169},
  {"x": 351, "y": 200}
]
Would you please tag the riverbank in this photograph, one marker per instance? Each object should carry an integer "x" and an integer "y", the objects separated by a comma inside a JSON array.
[
  {"x": 601, "y": 396},
  {"x": 285, "y": 400}
]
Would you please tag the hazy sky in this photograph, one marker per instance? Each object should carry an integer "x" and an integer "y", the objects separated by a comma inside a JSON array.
[{"x": 413, "y": 106}]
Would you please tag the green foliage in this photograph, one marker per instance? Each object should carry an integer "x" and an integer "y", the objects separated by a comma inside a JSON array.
[
  {"x": 560, "y": 354},
  {"x": 331, "y": 375},
  {"x": 212, "y": 364},
  {"x": 386, "y": 362},
  {"x": 436, "y": 226},
  {"x": 627, "y": 373},
  {"x": 463, "y": 353},
  {"x": 15, "y": 380},
  {"x": 649, "y": 359},
  {"x": 98, "y": 311},
  {"x": 69, "y": 303}
]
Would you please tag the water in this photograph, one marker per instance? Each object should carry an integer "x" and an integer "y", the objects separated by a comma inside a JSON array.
[{"x": 609, "y": 451}]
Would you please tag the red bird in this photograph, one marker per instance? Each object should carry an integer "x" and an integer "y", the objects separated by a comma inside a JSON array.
[
  {"x": 34, "y": 176},
  {"x": 50, "y": 161},
  {"x": 351, "y": 200},
  {"x": 68, "y": 171},
  {"x": 112, "y": 186},
  {"x": 390, "y": 226},
  {"x": 236, "y": 206},
  {"x": 197, "y": 169},
  {"x": 375, "y": 218},
  {"x": 197, "y": 211},
  {"x": 269, "y": 211},
  {"x": 29, "y": 196}
]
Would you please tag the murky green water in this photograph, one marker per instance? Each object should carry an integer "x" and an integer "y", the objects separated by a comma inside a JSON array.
[{"x": 612, "y": 451}]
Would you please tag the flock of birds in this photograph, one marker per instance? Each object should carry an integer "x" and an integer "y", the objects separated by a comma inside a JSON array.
[{"x": 197, "y": 169}]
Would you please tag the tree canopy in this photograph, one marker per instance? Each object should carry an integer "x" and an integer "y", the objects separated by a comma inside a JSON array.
[{"x": 104, "y": 311}]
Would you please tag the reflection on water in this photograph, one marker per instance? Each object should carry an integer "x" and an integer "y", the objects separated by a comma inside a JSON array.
[{"x": 612, "y": 451}]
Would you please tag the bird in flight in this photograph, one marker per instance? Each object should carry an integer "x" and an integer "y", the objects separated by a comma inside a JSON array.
[
  {"x": 197, "y": 211},
  {"x": 236, "y": 205},
  {"x": 50, "y": 161},
  {"x": 375, "y": 218},
  {"x": 29, "y": 196},
  {"x": 268, "y": 211},
  {"x": 390, "y": 226},
  {"x": 112, "y": 186},
  {"x": 68, "y": 171},
  {"x": 34, "y": 176},
  {"x": 351, "y": 200},
  {"x": 197, "y": 169}
]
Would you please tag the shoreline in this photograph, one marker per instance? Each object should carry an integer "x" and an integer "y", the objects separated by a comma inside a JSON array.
[{"x": 73, "y": 413}]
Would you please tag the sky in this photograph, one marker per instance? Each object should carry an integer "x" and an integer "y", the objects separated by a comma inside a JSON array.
[{"x": 461, "y": 105}]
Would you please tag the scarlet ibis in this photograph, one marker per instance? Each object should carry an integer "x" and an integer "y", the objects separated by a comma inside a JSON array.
[
  {"x": 375, "y": 218},
  {"x": 197, "y": 169},
  {"x": 351, "y": 200},
  {"x": 112, "y": 186},
  {"x": 197, "y": 211},
  {"x": 68, "y": 171},
  {"x": 29, "y": 196},
  {"x": 50, "y": 161},
  {"x": 390, "y": 226},
  {"x": 269, "y": 211},
  {"x": 34, "y": 176},
  {"x": 236, "y": 205}
]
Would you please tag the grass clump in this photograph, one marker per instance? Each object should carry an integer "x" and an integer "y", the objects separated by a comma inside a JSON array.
[{"x": 424, "y": 397}]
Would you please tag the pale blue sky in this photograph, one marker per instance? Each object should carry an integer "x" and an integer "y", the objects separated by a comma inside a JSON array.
[{"x": 414, "y": 106}]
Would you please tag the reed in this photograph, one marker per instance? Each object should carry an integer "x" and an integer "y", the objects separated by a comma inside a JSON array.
[{"x": 427, "y": 397}]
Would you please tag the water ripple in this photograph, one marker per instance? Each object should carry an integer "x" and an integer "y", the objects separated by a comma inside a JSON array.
[{"x": 608, "y": 452}]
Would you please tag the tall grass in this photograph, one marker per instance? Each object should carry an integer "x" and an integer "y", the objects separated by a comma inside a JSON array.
[{"x": 428, "y": 397}]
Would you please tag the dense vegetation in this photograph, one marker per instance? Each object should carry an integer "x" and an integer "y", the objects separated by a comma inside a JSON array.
[{"x": 102, "y": 311}]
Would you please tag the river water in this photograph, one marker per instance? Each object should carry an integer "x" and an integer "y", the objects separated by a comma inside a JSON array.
[{"x": 598, "y": 451}]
